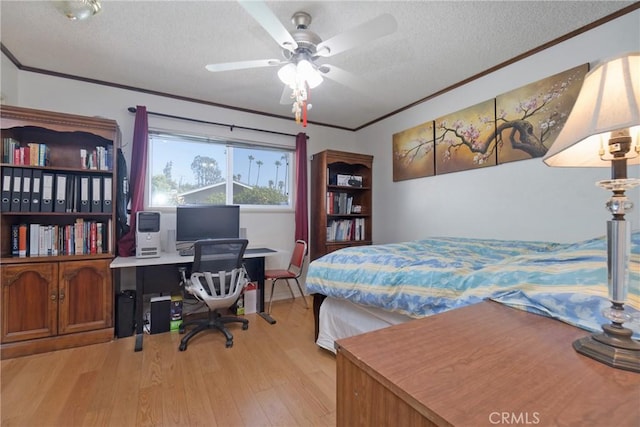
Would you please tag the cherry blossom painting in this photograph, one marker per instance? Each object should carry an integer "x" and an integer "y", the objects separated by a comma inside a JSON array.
[
  {"x": 518, "y": 125},
  {"x": 413, "y": 153},
  {"x": 466, "y": 139},
  {"x": 529, "y": 119}
]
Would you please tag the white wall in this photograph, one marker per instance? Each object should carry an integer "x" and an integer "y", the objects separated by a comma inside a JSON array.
[
  {"x": 8, "y": 81},
  {"x": 520, "y": 200}
]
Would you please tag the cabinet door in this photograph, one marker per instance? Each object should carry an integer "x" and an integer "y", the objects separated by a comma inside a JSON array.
[
  {"x": 29, "y": 301},
  {"x": 86, "y": 296}
]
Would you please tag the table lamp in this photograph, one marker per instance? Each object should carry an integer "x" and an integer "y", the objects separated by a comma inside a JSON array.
[{"x": 603, "y": 130}]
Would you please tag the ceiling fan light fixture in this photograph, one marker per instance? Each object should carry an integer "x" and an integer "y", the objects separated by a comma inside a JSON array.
[
  {"x": 78, "y": 10},
  {"x": 307, "y": 72},
  {"x": 288, "y": 74}
]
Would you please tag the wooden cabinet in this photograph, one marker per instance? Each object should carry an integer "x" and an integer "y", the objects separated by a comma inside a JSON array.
[
  {"x": 341, "y": 205},
  {"x": 482, "y": 365},
  {"x": 57, "y": 288},
  {"x": 47, "y": 299},
  {"x": 29, "y": 301},
  {"x": 85, "y": 296}
]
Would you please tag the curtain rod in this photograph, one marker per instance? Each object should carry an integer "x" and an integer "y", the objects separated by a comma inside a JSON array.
[{"x": 231, "y": 127}]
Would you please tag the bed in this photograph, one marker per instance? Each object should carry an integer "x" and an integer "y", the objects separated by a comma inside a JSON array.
[{"x": 363, "y": 288}]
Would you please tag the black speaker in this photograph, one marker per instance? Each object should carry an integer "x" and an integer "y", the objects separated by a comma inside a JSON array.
[
  {"x": 160, "y": 314},
  {"x": 125, "y": 309}
]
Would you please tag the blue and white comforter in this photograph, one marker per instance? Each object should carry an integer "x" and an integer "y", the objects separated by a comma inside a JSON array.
[{"x": 425, "y": 277}]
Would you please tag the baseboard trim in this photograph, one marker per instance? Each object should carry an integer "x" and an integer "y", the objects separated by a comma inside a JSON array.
[{"x": 44, "y": 345}]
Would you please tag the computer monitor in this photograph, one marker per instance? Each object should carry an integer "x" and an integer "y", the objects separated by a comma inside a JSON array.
[{"x": 196, "y": 222}]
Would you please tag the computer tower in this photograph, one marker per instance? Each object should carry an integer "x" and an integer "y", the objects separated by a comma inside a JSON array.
[
  {"x": 147, "y": 234},
  {"x": 125, "y": 313},
  {"x": 160, "y": 314}
]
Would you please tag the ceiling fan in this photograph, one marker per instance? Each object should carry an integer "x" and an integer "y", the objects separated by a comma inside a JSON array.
[{"x": 302, "y": 51}]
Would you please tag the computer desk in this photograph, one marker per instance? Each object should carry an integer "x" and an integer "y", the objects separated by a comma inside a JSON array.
[{"x": 160, "y": 275}]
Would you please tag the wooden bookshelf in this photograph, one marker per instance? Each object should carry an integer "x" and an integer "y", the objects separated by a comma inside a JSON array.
[
  {"x": 62, "y": 280},
  {"x": 341, "y": 187}
]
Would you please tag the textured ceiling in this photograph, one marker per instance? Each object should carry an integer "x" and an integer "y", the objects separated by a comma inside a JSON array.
[{"x": 163, "y": 46}]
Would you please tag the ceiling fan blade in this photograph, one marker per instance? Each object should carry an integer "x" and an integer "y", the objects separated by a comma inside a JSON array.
[
  {"x": 228, "y": 66},
  {"x": 287, "y": 95},
  {"x": 345, "y": 78},
  {"x": 363, "y": 33},
  {"x": 270, "y": 22}
]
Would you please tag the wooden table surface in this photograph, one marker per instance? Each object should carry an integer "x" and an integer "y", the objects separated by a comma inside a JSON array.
[{"x": 488, "y": 364}]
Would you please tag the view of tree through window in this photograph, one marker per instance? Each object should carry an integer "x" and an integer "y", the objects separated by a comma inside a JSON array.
[{"x": 191, "y": 170}]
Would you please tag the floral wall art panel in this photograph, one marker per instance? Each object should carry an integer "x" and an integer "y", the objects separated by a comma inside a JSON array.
[
  {"x": 529, "y": 119},
  {"x": 466, "y": 139},
  {"x": 413, "y": 153}
]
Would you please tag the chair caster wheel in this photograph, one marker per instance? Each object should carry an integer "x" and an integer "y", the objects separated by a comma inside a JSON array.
[
  {"x": 182, "y": 347},
  {"x": 245, "y": 326},
  {"x": 229, "y": 344}
]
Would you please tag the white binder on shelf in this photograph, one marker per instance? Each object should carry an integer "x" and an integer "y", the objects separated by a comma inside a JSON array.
[
  {"x": 107, "y": 205},
  {"x": 61, "y": 193},
  {"x": 96, "y": 194},
  {"x": 36, "y": 192},
  {"x": 25, "y": 194},
  {"x": 85, "y": 205},
  {"x": 47, "y": 192}
]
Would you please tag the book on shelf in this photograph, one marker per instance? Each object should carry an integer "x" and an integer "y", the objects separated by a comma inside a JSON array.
[
  {"x": 93, "y": 238},
  {"x": 22, "y": 240},
  {"x": 8, "y": 149},
  {"x": 346, "y": 230},
  {"x": 29, "y": 154},
  {"x": 34, "y": 239},
  {"x": 83, "y": 237},
  {"x": 339, "y": 203},
  {"x": 15, "y": 240},
  {"x": 100, "y": 158}
]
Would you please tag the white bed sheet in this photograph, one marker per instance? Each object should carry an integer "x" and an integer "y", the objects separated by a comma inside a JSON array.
[{"x": 341, "y": 319}]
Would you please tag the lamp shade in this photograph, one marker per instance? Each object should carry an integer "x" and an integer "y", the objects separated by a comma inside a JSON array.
[{"x": 608, "y": 101}]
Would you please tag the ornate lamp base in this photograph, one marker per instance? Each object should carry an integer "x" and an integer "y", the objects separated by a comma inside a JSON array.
[{"x": 614, "y": 347}]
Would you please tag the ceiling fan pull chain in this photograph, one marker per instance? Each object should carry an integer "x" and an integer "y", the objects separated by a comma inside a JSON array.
[
  {"x": 304, "y": 114},
  {"x": 305, "y": 105}
]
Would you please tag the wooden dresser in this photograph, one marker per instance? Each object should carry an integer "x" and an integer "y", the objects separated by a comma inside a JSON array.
[{"x": 482, "y": 365}]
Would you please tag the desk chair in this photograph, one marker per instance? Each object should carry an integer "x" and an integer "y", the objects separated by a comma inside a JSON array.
[
  {"x": 217, "y": 278},
  {"x": 296, "y": 266}
]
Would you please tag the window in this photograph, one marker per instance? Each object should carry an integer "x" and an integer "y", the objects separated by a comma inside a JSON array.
[{"x": 198, "y": 170}]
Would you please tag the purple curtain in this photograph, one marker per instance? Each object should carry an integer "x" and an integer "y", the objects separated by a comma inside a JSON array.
[
  {"x": 302, "y": 217},
  {"x": 127, "y": 244}
]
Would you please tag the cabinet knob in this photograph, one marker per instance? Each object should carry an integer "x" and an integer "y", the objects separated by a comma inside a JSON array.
[
  {"x": 61, "y": 296},
  {"x": 53, "y": 297}
]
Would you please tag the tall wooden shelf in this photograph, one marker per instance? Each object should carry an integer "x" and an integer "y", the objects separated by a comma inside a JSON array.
[
  {"x": 327, "y": 214},
  {"x": 64, "y": 300}
]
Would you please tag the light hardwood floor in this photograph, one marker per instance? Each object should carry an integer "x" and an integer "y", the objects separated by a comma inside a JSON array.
[{"x": 274, "y": 375}]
